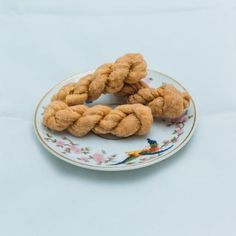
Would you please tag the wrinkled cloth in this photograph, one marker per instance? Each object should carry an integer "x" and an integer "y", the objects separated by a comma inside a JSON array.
[{"x": 192, "y": 193}]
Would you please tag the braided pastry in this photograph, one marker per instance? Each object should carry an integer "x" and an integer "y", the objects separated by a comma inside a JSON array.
[
  {"x": 79, "y": 120},
  {"x": 130, "y": 89},
  {"x": 165, "y": 101},
  {"x": 108, "y": 78}
]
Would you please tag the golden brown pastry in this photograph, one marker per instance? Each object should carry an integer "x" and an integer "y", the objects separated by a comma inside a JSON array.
[
  {"x": 165, "y": 101},
  {"x": 130, "y": 89},
  {"x": 79, "y": 120},
  {"x": 108, "y": 78}
]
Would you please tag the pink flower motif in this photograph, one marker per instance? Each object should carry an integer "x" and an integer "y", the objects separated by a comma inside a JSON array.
[
  {"x": 98, "y": 157},
  {"x": 179, "y": 130},
  {"x": 74, "y": 149},
  {"x": 60, "y": 143},
  {"x": 183, "y": 119},
  {"x": 147, "y": 80}
]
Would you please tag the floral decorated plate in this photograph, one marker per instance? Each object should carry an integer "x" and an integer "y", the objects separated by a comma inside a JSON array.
[{"x": 109, "y": 153}]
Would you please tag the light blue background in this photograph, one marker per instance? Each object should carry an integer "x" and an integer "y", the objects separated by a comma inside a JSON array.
[{"x": 193, "y": 193}]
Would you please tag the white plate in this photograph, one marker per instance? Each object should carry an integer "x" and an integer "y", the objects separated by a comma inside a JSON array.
[{"x": 112, "y": 154}]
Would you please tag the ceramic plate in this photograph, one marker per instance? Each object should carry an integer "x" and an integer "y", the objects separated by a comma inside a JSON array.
[{"x": 108, "y": 153}]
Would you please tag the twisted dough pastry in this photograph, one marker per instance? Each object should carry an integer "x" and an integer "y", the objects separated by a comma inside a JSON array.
[
  {"x": 165, "y": 101},
  {"x": 123, "y": 121},
  {"x": 130, "y": 89},
  {"x": 108, "y": 78}
]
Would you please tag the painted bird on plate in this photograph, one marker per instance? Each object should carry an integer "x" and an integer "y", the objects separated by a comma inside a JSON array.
[{"x": 152, "y": 149}]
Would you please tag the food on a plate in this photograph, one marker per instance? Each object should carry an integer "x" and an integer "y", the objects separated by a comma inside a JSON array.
[
  {"x": 124, "y": 78},
  {"x": 165, "y": 101},
  {"x": 129, "y": 89},
  {"x": 108, "y": 78},
  {"x": 79, "y": 120}
]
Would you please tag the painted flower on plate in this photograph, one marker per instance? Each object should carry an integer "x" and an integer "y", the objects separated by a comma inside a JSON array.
[
  {"x": 98, "y": 157},
  {"x": 60, "y": 143},
  {"x": 75, "y": 149}
]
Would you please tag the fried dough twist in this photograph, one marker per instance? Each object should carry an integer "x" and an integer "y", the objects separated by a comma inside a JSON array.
[
  {"x": 79, "y": 120},
  {"x": 165, "y": 101},
  {"x": 108, "y": 78}
]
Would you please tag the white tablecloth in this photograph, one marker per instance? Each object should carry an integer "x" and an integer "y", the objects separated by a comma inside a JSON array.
[{"x": 192, "y": 193}]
